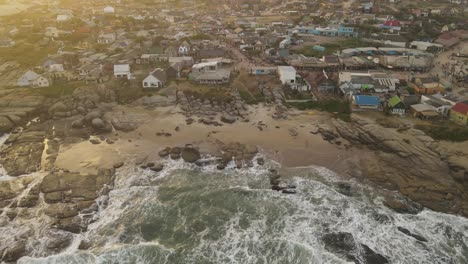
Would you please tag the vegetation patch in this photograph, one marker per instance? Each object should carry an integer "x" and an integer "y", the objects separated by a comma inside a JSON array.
[
  {"x": 56, "y": 90},
  {"x": 448, "y": 132},
  {"x": 341, "y": 108}
]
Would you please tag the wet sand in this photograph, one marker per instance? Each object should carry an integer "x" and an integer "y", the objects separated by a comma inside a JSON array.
[{"x": 275, "y": 140}]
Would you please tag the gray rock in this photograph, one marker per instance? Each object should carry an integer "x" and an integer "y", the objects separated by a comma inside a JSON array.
[
  {"x": 92, "y": 115},
  {"x": 97, "y": 123},
  {"x": 190, "y": 154},
  {"x": 175, "y": 156},
  {"x": 165, "y": 152},
  {"x": 5, "y": 124},
  {"x": 157, "y": 167},
  {"x": 228, "y": 119},
  {"x": 95, "y": 141},
  {"x": 79, "y": 123}
]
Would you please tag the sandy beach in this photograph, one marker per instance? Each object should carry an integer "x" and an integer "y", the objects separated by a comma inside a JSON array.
[
  {"x": 11, "y": 9},
  {"x": 274, "y": 140}
]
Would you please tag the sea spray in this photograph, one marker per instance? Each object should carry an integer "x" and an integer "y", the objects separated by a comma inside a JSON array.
[{"x": 190, "y": 214}]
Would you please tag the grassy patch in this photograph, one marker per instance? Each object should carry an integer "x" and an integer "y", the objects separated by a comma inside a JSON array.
[
  {"x": 27, "y": 55},
  {"x": 341, "y": 108},
  {"x": 250, "y": 98},
  {"x": 450, "y": 132},
  {"x": 56, "y": 90}
]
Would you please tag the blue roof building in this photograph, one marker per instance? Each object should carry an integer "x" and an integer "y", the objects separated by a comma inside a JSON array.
[{"x": 366, "y": 102}]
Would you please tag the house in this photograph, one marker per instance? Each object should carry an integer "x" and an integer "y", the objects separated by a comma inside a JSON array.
[
  {"x": 442, "y": 107},
  {"x": 184, "y": 48},
  {"x": 290, "y": 78},
  {"x": 210, "y": 73},
  {"x": 105, "y": 39},
  {"x": 173, "y": 71},
  {"x": 459, "y": 113},
  {"x": 211, "y": 53},
  {"x": 157, "y": 78},
  {"x": 423, "y": 111},
  {"x": 109, "y": 10},
  {"x": 32, "y": 79},
  {"x": 287, "y": 75},
  {"x": 427, "y": 86},
  {"x": 122, "y": 71},
  {"x": 330, "y": 31},
  {"x": 365, "y": 102},
  {"x": 63, "y": 18},
  {"x": 380, "y": 82},
  {"x": 262, "y": 70},
  {"x": 396, "y": 105}
]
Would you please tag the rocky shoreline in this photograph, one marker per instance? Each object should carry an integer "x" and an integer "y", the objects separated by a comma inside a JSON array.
[
  {"x": 406, "y": 160},
  {"x": 63, "y": 202}
]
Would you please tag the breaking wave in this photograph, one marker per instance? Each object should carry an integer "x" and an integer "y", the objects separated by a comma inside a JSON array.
[{"x": 190, "y": 214}]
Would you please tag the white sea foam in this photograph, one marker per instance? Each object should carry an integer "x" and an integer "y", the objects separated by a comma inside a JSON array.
[{"x": 265, "y": 226}]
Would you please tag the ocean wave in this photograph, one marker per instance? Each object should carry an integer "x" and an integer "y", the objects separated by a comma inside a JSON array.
[{"x": 192, "y": 214}]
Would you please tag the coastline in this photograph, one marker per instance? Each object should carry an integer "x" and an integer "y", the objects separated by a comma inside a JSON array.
[
  {"x": 275, "y": 140},
  {"x": 80, "y": 168}
]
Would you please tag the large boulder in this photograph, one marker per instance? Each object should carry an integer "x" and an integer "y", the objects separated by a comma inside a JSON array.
[
  {"x": 58, "y": 107},
  {"x": 92, "y": 115},
  {"x": 344, "y": 245},
  {"x": 124, "y": 124},
  {"x": 228, "y": 119},
  {"x": 190, "y": 154},
  {"x": 5, "y": 124},
  {"x": 97, "y": 123}
]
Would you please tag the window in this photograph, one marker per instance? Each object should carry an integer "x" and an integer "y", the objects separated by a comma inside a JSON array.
[{"x": 145, "y": 84}]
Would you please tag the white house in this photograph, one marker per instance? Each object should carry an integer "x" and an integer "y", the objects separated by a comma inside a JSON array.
[
  {"x": 31, "y": 78},
  {"x": 287, "y": 75},
  {"x": 56, "y": 67},
  {"x": 109, "y": 10},
  {"x": 122, "y": 71},
  {"x": 155, "y": 79},
  {"x": 184, "y": 48},
  {"x": 63, "y": 18}
]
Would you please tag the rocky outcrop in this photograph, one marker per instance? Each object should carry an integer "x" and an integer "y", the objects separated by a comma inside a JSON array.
[
  {"x": 17, "y": 109},
  {"x": 5, "y": 124},
  {"x": 402, "y": 160},
  {"x": 190, "y": 154},
  {"x": 344, "y": 245},
  {"x": 23, "y": 153},
  {"x": 208, "y": 107},
  {"x": 68, "y": 206},
  {"x": 241, "y": 154}
]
